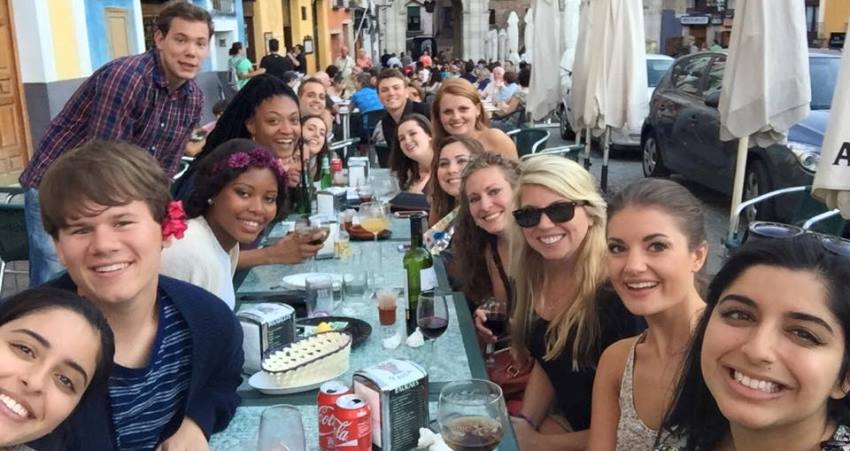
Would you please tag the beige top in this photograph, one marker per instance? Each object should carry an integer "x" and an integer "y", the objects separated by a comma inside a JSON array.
[{"x": 632, "y": 433}]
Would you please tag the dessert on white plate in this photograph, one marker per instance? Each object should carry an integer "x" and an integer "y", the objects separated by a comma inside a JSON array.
[{"x": 311, "y": 360}]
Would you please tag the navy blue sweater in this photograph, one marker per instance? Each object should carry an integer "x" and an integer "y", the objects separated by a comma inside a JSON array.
[{"x": 216, "y": 373}]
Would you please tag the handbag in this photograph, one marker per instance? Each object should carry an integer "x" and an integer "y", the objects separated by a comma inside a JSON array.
[{"x": 509, "y": 374}]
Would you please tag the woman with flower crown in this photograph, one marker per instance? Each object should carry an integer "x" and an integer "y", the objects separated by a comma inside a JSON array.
[{"x": 239, "y": 189}]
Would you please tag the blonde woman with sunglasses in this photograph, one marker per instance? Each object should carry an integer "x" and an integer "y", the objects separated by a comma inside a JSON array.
[{"x": 565, "y": 313}]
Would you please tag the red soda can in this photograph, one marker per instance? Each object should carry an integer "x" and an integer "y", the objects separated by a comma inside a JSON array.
[
  {"x": 329, "y": 392},
  {"x": 353, "y": 424},
  {"x": 336, "y": 165}
]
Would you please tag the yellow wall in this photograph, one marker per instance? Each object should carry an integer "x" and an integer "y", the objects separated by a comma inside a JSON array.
[
  {"x": 268, "y": 18},
  {"x": 835, "y": 17},
  {"x": 324, "y": 50},
  {"x": 66, "y": 55}
]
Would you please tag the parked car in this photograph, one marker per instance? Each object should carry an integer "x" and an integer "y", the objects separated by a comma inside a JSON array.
[
  {"x": 682, "y": 133},
  {"x": 656, "y": 67}
]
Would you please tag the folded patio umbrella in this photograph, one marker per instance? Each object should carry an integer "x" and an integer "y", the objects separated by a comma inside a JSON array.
[
  {"x": 544, "y": 91},
  {"x": 832, "y": 180},
  {"x": 513, "y": 37},
  {"x": 766, "y": 86},
  {"x": 528, "y": 35},
  {"x": 609, "y": 82}
]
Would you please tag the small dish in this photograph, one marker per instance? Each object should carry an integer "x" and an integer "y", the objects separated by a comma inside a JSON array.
[
  {"x": 357, "y": 233},
  {"x": 357, "y": 328},
  {"x": 299, "y": 281}
]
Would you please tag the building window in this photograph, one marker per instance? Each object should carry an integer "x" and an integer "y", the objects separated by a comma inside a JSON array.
[
  {"x": 223, "y": 6},
  {"x": 492, "y": 17},
  {"x": 811, "y": 19},
  {"x": 414, "y": 22}
]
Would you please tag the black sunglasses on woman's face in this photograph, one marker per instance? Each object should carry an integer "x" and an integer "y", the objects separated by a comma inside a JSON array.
[{"x": 557, "y": 212}]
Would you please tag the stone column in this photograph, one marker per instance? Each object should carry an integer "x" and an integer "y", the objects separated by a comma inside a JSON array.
[{"x": 475, "y": 27}]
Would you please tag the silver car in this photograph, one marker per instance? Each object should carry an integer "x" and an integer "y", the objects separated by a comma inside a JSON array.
[{"x": 656, "y": 67}]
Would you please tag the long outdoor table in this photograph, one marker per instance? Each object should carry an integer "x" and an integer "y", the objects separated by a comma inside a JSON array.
[{"x": 445, "y": 365}]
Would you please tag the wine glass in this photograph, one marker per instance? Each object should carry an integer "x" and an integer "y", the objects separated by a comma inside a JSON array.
[
  {"x": 385, "y": 188},
  {"x": 281, "y": 429},
  {"x": 375, "y": 218},
  {"x": 432, "y": 317},
  {"x": 472, "y": 415},
  {"x": 497, "y": 322}
]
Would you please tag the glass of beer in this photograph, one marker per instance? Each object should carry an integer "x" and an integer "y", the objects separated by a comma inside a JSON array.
[
  {"x": 472, "y": 415},
  {"x": 387, "y": 300}
]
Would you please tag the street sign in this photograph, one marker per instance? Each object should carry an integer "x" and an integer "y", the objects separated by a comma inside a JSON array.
[{"x": 694, "y": 20}]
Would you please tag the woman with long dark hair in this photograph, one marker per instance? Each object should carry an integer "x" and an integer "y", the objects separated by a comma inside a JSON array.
[
  {"x": 410, "y": 162},
  {"x": 265, "y": 111},
  {"x": 769, "y": 365}
]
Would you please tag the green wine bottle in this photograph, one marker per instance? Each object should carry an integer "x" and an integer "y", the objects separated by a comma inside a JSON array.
[
  {"x": 326, "y": 181},
  {"x": 419, "y": 266}
]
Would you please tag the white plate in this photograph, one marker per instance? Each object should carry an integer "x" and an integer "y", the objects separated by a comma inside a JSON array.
[
  {"x": 265, "y": 383},
  {"x": 299, "y": 281}
]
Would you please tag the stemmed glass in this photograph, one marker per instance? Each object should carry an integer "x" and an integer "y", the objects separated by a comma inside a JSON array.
[
  {"x": 314, "y": 230},
  {"x": 432, "y": 317},
  {"x": 385, "y": 188},
  {"x": 281, "y": 429},
  {"x": 472, "y": 415},
  {"x": 497, "y": 322},
  {"x": 375, "y": 218}
]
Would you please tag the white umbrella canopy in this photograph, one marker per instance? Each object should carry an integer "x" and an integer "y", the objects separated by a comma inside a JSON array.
[
  {"x": 766, "y": 85},
  {"x": 503, "y": 45},
  {"x": 832, "y": 180},
  {"x": 493, "y": 45},
  {"x": 544, "y": 92},
  {"x": 528, "y": 35},
  {"x": 609, "y": 83},
  {"x": 513, "y": 37}
]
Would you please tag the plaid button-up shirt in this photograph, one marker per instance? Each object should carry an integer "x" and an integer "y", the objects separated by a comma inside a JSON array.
[{"x": 128, "y": 100}]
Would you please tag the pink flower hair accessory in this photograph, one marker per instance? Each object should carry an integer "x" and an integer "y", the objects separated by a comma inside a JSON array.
[
  {"x": 174, "y": 223},
  {"x": 258, "y": 158}
]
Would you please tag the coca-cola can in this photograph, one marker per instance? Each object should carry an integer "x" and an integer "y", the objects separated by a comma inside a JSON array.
[
  {"x": 354, "y": 424},
  {"x": 329, "y": 393},
  {"x": 336, "y": 165}
]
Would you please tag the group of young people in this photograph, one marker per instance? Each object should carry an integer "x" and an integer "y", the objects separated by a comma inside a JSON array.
[{"x": 136, "y": 346}]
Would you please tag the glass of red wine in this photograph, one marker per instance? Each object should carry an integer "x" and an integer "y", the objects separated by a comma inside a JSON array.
[
  {"x": 432, "y": 317},
  {"x": 497, "y": 322},
  {"x": 472, "y": 415}
]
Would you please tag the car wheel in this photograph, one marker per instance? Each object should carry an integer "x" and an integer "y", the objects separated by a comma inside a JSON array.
[
  {"x": 756, "y": 183},
  {"x": 566, "y": 130},
  {"x": 652, "y": 164}
]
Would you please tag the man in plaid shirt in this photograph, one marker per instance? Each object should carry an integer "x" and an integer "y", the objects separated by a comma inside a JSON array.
[{"x": 150, "y": 100}]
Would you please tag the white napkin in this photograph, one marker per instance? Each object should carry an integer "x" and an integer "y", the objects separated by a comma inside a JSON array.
[
  {"x": 416, "y": 339},
  {"x": 431, "y": 441},
  {"x": 392, "y": 342}
]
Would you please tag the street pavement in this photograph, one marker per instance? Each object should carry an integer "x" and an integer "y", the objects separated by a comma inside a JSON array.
[{"x": 624, "y": 167}]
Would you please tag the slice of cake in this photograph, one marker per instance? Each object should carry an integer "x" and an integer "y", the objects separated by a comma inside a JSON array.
[{"x": 311, "y": 360}]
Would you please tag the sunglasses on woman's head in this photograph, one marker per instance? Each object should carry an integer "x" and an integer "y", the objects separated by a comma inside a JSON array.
[{"x": 557, "y": 212}]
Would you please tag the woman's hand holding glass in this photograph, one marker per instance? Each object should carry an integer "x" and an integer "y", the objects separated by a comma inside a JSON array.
[{"x": 291, "y": 249}]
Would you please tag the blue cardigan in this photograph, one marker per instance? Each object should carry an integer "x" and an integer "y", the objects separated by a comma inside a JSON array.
[{"x": 216, "y": 373}]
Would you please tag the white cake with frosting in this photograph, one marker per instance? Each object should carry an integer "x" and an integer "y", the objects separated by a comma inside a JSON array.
[{"x": 310, "y": 360}]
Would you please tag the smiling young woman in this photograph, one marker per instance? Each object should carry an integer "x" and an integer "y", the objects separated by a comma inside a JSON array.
[
  {"x": 238, "y": 191},
  {"x": 457, "y": 110},
  {"x": 54, "y": 347},
  {"x": 565, "y": 314},
  {"x": 656, "y": 247},
  {"x": 768, "y": 365}
]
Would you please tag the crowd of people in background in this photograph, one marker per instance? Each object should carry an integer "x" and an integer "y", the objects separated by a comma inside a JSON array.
[{"x": 128, "y": 340}]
